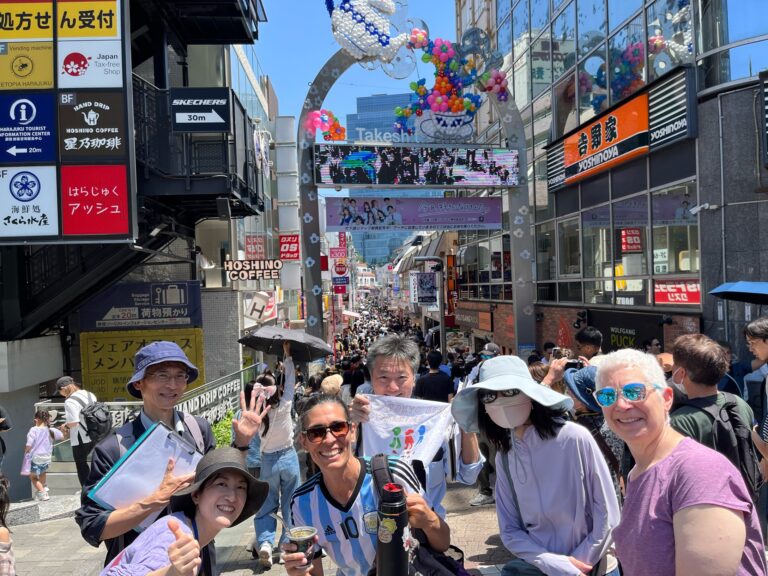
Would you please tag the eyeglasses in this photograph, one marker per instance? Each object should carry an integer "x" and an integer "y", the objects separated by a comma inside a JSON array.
[
  {"x": 488, "y": 396},
  {"x": 316, "y": 434},
  {"x": 165, "y": 378},
  {"x": 633, "y": 392}
]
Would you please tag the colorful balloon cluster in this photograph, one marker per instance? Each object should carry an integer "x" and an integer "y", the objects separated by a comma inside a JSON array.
[
  {"x": 327, "y": 123},
  {"x": 627, "y": 71},
  {"x": 453, "y": 74}
]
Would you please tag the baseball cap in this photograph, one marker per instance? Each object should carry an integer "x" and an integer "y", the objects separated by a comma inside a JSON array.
[{"x": 63, "y": 382}]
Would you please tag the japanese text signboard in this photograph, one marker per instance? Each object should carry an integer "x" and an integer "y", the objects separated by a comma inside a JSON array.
[
  {"x": 28, "y": 202},
  {"x": 91, "y": 124},
  {"x": 78, "y": 141},
  {"x": 107, "y": 357},
  {"x": 255, "y": 247},
  {"x": 677, "y": 292},
  {"x": 631, "y": 240},
  {"x": 27, "y": 128},
  {"x": 144, "y": 305},
  {"x": 289, "y": 247},
  {"x": 615, "y": 138}
]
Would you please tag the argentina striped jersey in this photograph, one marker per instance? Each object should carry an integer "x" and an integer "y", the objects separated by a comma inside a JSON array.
[{"x": 348, "y": 533}]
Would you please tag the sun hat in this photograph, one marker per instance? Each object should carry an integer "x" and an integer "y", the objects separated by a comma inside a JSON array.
[
  {"x": 156, "y": 353},
  {"x": 581, "y": 383},
  {"x": 224, "y": 459},
  {"x": 503, "y": 373}
]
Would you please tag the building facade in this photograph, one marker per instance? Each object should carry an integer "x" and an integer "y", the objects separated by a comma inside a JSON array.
[{"x": 634, "y": 223}]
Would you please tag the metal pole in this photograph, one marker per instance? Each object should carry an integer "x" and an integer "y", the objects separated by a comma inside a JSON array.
[{"x": 438, "y": 269}]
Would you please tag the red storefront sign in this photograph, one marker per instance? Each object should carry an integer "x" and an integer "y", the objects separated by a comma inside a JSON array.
[
  {"x": 631, "y": 240},
  {"x": 94, "y": 200},
  {"x": 340, "y": 289},
  {"x": 289, "y": 247},
  {"x": 255, "y": 247},
  {"x": 677, "y": 292},
  {"x": 340, "y": 268},
  {"x": 343, "y": 240},
  {"x": 338, "y": 252}
]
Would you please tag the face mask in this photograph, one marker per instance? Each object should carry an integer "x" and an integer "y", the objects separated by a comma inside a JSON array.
[
  {"x": 508, "y": 414},
  {"x": 675, "y": 382}
]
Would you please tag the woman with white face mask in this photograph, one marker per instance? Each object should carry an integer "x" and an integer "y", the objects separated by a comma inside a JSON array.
[{"x": 554, "y": 496}]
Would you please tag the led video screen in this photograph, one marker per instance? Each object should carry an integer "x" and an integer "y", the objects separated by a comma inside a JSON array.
[{"x": 408, "y": 166}]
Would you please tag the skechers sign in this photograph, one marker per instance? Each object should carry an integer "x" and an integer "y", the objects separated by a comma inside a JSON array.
[
  {"x": 200, "y": 109},
  {"x": 661, "y": 114}
]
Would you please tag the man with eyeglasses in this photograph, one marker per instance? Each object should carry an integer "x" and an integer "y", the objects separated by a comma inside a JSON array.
[{"x": 161, "y": 374}]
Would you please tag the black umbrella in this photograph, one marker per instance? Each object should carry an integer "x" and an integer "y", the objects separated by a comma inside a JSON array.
[
  {"x": 304, "y": 348},
  {"x": 750, "y": 292}
]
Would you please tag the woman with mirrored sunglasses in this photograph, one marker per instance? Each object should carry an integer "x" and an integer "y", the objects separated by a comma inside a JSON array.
[
  {"x": 687, "y": 509},
  {"x": 555, "y": 499},
  {"x": 341, "y": 501}
]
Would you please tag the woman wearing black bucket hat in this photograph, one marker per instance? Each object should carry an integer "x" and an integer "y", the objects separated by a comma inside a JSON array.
[{"x": 223, "y": 494}]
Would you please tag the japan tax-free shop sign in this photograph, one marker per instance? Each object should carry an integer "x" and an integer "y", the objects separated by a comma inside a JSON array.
[{"x": 67, "y": 163}]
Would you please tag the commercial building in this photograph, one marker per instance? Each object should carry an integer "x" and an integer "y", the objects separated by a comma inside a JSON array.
[{"x": 645, "y": 136}]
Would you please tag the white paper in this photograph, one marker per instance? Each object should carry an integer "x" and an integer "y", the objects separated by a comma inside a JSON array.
[
  {"x": 140, "y": 471},
  {"x": 407, "y": 428}
]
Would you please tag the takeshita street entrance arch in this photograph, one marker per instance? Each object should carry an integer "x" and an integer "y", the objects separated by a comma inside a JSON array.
[{"x": 521, "y": 235}]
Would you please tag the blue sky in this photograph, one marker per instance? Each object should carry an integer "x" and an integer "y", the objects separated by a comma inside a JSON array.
[{"x": 296, "y": 41}]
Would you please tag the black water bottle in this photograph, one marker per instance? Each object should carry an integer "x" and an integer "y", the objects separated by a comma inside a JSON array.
[{"x": 391, "y": 552}]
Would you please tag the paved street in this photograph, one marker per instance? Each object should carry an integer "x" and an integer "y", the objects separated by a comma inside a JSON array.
[{"x": 55, "y": 546}]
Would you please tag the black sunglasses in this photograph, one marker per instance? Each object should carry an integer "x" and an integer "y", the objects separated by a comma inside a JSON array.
[
  {"x": 488, "y": 396},
  {"x": 315, "y": 434}
]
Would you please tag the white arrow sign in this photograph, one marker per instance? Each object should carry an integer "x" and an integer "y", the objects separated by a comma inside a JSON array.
[
  {"x": 13, "y": 150},
  {"x": 211, "y": 117}
]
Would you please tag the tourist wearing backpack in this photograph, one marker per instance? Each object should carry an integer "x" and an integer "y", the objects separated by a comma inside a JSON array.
[
  {"x": 82, "y": 444},
  {"x": 715, "y": 419}
]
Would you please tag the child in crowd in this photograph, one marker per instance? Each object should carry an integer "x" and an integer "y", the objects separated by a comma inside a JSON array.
[
  {"x": 6, "y": 545},
  {"x": 37, "y": 452}
]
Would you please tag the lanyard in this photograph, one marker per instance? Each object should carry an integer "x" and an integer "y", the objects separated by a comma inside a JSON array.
[{"x": 203, "y": 553}]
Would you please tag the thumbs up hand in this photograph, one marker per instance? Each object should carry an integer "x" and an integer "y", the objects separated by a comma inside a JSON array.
[{"x": 184, "y": 553}]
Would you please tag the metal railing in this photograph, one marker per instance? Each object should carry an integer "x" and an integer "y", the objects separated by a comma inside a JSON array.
[
  {"x": 160, "y": 150},
  {"x": 211, "y": 401}
]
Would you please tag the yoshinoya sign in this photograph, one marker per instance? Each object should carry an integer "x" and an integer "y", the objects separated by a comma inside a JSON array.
[
  {"x": 92, "y": 124},
  {"x": 661, "y": 114},
  {"x": 27, "y": 128},
  {"x": 200, "y": 109},
  {"x": 253, "y": 269}
]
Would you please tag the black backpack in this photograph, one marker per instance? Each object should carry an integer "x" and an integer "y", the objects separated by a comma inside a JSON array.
[
  {"x": 95, "y": 418},
  {"x": 731, "y": 436}
]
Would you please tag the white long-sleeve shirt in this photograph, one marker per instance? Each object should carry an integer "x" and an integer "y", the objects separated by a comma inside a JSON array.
[
  {"x": 280, "y": 434},
  {"x": 567, "y": 502}
]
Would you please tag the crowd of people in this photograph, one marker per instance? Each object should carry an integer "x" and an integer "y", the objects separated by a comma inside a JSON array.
[{"x": 632, "y": 462}]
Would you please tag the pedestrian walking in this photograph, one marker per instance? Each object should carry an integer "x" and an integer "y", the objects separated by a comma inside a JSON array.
[
  {"x": 6, "y": 424},
  {"x": 38, "y": 452},
  {"x": 554, "y": 496},
  {"x": 279, "y": 461},
  {"x": 7, "y": 564},
  {"x": 74, "y": 427}
]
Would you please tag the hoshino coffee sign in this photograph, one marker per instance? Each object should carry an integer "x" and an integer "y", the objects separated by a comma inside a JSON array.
[
  {"x": 253, "y": 269},
  {"x": 661, "y": 114}
]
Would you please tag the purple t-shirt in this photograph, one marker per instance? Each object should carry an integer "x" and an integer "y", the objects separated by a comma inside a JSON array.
[{"x": 692, "y": 474}]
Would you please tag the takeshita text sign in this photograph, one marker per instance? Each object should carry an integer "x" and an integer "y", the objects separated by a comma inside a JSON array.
[{"x": 613, "y": 139}]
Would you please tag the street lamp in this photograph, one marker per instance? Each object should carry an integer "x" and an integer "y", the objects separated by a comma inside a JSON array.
[{"x": 438, "y": 269}]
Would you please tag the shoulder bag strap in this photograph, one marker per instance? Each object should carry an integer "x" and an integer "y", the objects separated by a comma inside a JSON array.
[
  {"x": 505, "y": 462},
  {"x": 194, "y": 429},
  {"x": 610, "y": 457}
]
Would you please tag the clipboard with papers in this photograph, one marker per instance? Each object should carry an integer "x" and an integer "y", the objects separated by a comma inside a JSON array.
[{"x": 139, "y": 472}]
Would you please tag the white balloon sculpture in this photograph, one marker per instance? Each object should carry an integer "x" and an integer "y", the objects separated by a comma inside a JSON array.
[{"x": 361, "y": 27}]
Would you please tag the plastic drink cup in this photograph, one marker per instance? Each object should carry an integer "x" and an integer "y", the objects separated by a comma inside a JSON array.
[{"x": 304, "y": 538}]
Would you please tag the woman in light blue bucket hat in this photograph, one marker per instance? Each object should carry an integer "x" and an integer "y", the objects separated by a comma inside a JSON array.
[{"x": 554, "y": 495}]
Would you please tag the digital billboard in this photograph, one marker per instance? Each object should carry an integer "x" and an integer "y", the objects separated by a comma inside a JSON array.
[{"x": 414, "y": 166}]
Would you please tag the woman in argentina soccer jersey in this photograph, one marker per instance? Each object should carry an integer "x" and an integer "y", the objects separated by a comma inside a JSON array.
[{"x": 340, "y": 501}]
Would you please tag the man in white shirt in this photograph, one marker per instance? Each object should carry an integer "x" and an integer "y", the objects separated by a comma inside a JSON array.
[{"x": 76, "y": 400}]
